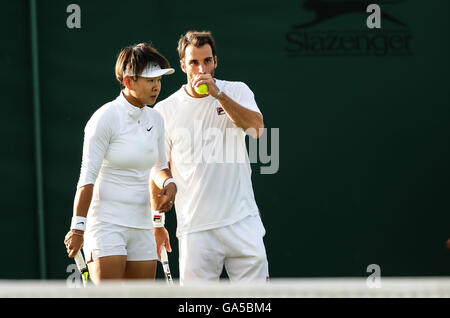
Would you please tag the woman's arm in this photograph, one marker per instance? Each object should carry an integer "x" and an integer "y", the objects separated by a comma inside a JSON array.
[
  {"x": 97, "y": 135},
  {"x": 74, "y": 238},
  {"x": 82, "y": 200}
]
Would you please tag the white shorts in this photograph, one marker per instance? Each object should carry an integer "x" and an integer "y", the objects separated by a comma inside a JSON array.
[
  {"x": 105, "y": 239},
  {"x": 239, "y": 247}
]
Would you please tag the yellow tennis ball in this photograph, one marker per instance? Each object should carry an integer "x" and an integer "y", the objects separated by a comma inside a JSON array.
[{"x": 202, "y": 89}]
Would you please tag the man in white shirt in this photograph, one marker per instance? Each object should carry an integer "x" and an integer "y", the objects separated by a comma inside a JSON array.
[{"x": 218, "y": 221}]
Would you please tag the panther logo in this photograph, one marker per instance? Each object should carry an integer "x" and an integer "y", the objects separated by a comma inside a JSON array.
[{"x": 328, "y": 9}]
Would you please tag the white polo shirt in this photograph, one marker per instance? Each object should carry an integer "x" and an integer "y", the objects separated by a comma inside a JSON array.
[
  {"x": 122, "y": 143},
  {"x": 209, "y": 159}
]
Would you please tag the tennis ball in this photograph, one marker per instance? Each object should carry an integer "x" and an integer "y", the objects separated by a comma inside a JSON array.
[{"x": 202, "y": 89}]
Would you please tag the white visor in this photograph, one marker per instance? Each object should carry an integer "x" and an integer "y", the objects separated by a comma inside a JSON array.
[{"x": 152, "y": 70}]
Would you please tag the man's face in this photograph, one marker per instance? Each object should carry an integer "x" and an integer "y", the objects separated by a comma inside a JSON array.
[
  {"x": 198, "y": 60},
  {"x": 146, "y": 89}
]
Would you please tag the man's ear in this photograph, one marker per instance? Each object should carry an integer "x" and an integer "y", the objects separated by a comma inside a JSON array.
[
  {"x": 215, "y": 61},
  {"x": 183, "y": 66}
]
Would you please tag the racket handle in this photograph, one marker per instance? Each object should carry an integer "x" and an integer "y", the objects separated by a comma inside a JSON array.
[
  {"x": 79, "y": 260},
  {"x": 165, "y": 264},
  {"x": 164, "y": 257},
  {"x": 81, "y": 265}
]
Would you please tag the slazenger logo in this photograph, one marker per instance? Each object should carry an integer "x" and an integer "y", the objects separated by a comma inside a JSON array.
[{"x": 306, "y": 39}]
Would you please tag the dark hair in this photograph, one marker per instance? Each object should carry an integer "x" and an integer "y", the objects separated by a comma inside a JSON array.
[
  {"x": 134, "y": 59},
  {"x": 197, "y": 39}
]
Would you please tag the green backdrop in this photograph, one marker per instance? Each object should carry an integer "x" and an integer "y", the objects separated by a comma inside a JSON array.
[{"x": 363, "y": 118}]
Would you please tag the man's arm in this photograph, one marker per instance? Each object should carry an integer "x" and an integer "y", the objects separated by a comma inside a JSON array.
[
  {"x": 162, "y": 198},
  {"x": 241, "y": 116}
]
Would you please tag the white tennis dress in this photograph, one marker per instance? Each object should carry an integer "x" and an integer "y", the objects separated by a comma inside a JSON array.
[{"x": 122, "y": 143}]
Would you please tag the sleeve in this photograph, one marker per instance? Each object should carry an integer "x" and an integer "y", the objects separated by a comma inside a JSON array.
[
  {"x": 168, "y": 143},
  {"x": 161, "y": 163},
  {"x": 245, "y": 97},
  {"x": 97, "y": 136}
]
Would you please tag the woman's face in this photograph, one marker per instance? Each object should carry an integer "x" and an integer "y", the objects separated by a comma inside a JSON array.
[{"x": 146, "y": 89}]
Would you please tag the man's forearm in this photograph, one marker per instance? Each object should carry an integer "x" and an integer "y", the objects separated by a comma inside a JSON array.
[
  {"x": 248, "y": 120},
  {"x": 158, "y": 177},
  {"x": 156, "y": 183},
  {"x": 154, "y": 199}
]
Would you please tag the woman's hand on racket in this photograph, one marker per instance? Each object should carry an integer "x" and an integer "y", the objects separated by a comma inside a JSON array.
[
  {"x": 167, "y": 197},
  {"x": 162, "y": 239},
  {"x": 74, "y": 242}
]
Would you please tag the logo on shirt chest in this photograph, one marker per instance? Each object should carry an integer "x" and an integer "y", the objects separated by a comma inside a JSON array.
[{"x": 220, "y": 110}]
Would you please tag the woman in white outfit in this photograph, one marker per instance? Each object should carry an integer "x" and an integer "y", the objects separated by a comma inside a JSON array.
[{"x": 124, "y": 139}]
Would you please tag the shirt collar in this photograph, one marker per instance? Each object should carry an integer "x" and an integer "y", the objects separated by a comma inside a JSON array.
[{"x": 133, "y": 111}]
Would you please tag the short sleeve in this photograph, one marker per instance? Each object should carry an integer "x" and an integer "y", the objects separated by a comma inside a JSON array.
[
  {"x": 162, "y": 162},
  {"x": 162, "y": 156},
  {"x": 167, "y": 141},
  {"x": 97, "y": 136},
  {"x": 243, "y": 95}
]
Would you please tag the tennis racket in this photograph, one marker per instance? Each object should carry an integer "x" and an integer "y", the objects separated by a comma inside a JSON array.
[
  {"x": 165, "y": 265},
  {"x": 82, "y": 267}
]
